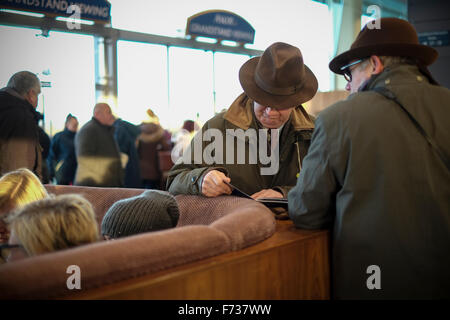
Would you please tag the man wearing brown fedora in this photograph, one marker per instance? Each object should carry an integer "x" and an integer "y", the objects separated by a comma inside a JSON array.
[
  {"x": 378, "y": 171},
  {"x": 275, "y": 85}
]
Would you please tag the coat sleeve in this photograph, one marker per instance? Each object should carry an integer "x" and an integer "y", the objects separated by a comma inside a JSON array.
[
  {"x": 284, "y": 190},
  {"x": 53, "y": 156},
  {"x": 311, "y": 201},
  {"x": 186, "y": 176}
]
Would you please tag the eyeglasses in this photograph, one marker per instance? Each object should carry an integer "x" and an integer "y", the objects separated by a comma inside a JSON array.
[
  {"x": 271, "y": 108},
  {"x": 347, "y": 72},
  {"x": 5, "y": 249}
]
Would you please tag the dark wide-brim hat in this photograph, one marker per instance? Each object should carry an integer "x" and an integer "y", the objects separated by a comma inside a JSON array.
[
  {"x": 278, "y": 78},
  {"x": 394, "y": 37}
]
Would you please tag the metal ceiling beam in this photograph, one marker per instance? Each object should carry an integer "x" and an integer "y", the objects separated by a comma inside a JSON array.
[{"x": 50, "y": 24}]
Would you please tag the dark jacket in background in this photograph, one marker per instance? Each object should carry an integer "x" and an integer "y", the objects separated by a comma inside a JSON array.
[
  {"x": 61, "y": 161},
  {"x": 126, "y": 135},
  {"x": 98, "y": 156},
  {"x": 153, "y": 140},
  {"x": 373, "y": 178},
  {"x": 44, "y": 141},
  {"x": 19, "y": 134}
]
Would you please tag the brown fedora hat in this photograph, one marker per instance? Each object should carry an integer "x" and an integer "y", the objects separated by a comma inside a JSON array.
[
  {"x": 395, "y": 37},
  {"x": 278, "y": 78}
]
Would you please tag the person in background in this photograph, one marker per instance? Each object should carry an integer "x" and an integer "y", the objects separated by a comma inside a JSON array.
[
  {"x": 153, "y": 210},
  {"x": 51, "y": 224},
  {"x": 378, "y": 171},
  {"x": 126, "y": 135},
  {"x": 97, "y": 152},
  {"x": 62, "y": 162},
  {"x": 152, "y": 141},
  {"x": 275, "y": 85},
  {"x": 183, "y": 139},
  {"x": 19, "y": 132},
  {"x": 17, "y": 188},
  {"x": 44, "y": 141}
]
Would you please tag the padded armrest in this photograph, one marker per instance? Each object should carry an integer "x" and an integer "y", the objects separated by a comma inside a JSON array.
[
  {"x": 109, "y": 261},
  {"x": 207, "y": 227}
]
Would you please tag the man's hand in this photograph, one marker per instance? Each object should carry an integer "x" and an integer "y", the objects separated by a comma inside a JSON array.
[
  {"x": 267, "y": 193},
  {"x": 213, "y": 184}
]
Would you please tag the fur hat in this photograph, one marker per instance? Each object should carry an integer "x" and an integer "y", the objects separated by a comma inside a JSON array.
[
  {"x": 278, "y": 78},
  {"x": 151, "y": 211}
]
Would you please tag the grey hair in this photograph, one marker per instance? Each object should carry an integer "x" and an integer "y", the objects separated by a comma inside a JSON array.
[
  {"x": 24, "y": 81},
  {"x": 390, "y": 61}
]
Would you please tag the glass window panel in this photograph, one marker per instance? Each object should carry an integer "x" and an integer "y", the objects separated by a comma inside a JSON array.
[
  {"x": 191, "y": 86},
  {"x": 142, "y": 81},
  {"x": 227, "y": 85},
  {"x": 303, "y": 23},
  {"x": 65, "y": 60}
]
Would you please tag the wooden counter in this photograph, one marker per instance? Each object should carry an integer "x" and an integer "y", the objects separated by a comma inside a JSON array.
[{"x": 292, "y": 264}]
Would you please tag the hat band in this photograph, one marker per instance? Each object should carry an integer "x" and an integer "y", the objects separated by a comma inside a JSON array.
[{"x": 286, "y": 91}]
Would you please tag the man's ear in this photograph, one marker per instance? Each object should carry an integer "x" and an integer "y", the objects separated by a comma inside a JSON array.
[
  {"x": 376, "y": 65},
  {"x": 29, "y": 96}
]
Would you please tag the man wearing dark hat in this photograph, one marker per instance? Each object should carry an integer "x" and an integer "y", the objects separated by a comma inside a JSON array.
[
  {"x": 275, "y": 85},
  {"x": 378, "y": 171}
]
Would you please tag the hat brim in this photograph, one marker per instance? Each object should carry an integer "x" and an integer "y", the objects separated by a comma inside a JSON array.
[
  {"x": 306, "y": 93},
  {"x": 426, "y": 55}
]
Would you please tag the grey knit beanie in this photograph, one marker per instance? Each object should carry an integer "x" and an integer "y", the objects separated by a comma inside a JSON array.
[{"x": 151, "y": 211}]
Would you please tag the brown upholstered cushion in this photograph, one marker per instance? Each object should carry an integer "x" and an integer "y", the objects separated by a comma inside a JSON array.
[
  {"x": 109, "y": 261},
  {"x": 245, "y": 228},
  {"x": 203, "y": 210},
  {"x": 245, "y": 221},
  {"x": 207, "y": 227}
]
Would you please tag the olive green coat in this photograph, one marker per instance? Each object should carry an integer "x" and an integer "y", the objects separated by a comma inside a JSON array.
[
  {"x": 187, "y": 178},
  {"x": 373, "y": 179}
]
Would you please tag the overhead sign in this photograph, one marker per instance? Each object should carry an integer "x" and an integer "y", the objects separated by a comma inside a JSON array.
[
  {"x": 97, "y": 10},
  {"x": 434, "y": 39},
  {"x": 221, "y": 25}
]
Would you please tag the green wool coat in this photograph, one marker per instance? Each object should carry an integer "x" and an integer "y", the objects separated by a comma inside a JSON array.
[
  {"x": 187, "y": 178},
  {"x": 373, "y": 179}
]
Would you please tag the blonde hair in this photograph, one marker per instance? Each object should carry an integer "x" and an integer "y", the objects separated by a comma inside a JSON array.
[
  {"x": 55, "y": 223},
  {"x": 152, "y": 117},
  {"x": 18, "y": 188}
]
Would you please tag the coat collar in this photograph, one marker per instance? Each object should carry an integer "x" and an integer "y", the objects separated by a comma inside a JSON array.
[
  {"x": 405, "y": 74},
  {"x": 111, "y": 128},
  {"x": 37, "y": 116},
  {"x": 13, "y": 93},
  {"x": 240, "y": 114}
]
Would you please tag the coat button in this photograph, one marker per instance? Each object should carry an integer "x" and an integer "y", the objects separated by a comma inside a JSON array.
[{"x": 419, "y": 78}]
